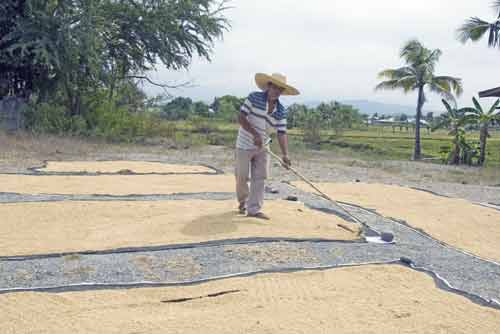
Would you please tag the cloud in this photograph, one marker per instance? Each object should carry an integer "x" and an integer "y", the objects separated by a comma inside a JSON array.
[{"x": 334, "y": 49}]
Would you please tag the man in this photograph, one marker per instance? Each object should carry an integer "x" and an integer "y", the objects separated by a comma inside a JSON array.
[{"x": 261, "y": 114}]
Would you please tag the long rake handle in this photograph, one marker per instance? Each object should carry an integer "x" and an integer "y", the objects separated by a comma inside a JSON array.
[
  {"x": 325, "y": 196},
  {"x": 301, "y": 176}
]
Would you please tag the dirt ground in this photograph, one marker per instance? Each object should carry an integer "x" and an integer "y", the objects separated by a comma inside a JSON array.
[
  {"x": 23, "y": 151},
  {"x": 368, "y": 299}
]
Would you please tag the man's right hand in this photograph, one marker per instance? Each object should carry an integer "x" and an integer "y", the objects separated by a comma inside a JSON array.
[{"x": 257, "y": 140}]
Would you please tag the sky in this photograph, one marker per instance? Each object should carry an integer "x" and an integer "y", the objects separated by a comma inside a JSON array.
[{"x": 333, "y": 49}]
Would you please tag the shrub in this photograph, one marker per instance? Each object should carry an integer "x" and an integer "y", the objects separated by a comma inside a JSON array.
[
  {"x": 47, "y": 118},
  {"x": 312, "y": 128},
  {"x": 203, "y": 125}
]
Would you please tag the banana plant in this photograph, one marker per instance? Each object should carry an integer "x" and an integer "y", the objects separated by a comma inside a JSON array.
[
  {"x": 483, "y": 119},
  {"x": 454, "y": 120}
]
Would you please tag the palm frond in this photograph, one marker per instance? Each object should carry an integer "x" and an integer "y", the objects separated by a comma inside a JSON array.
[
  {"x": 462, "y": 111},
  {"x": 494, "y": 108},
  {"x": 433, "y": 58},
  {"x": 412, "y": 52},
  {"x": 473, "y": 29},
  {"x": 445, "y": 86},
  {"x": 388, "y": 85},
  {"x": 449, "y": 109},
  {"x": 469, "y": 110},
  {"x": 395, "y": 74},
  {"x": 471, "y": 118},
  {"x": 477, "y": 105},
  {"x": 494, "y": 35},
  {"x": 472, "y": 115},
  {"x": 442, "y": 89},
  {"x": 408, "y": 83},
  {"x": 454, "y": 83}
]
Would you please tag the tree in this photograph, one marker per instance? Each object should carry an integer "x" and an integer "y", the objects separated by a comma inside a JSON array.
[
  {"x": 475, "y": 28},
  {"x": 327, "y": 112},
  {"x": 296, "y": 114},
  {"x": 201, "y": 109},
  {"x": 82, "y": 46},
  {"x": 19, "y": 74},
  {"x": 483, "y": 119},
  {"x": 345, "y": 117},
  {"x": 312, "y": 123},
  {"x": 227, "y": 107},
  {"x": 418, "y": 74},
  {"x": 454, "y": 119},
  {"x": 179, "y": 108}
]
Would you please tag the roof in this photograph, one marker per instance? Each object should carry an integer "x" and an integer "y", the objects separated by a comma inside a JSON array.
[{"x": 494, "y": 92}]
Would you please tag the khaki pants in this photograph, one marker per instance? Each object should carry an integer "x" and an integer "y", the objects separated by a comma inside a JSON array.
[{"x": 253, "y": 166}]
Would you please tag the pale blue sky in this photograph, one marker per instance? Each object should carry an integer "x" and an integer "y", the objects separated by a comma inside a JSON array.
[{"x": 333, "y": 49}]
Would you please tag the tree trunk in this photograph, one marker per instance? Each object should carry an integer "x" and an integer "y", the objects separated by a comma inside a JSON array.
[
  {"x": 112, "y": 84},
  {"x": 417, "y": 155},
  {"x": 482, "y": 144},
  {"x": 455, "y": 155}
]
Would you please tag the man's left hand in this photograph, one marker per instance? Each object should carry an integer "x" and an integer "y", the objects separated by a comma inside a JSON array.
[{"x": 287, "y": 163}]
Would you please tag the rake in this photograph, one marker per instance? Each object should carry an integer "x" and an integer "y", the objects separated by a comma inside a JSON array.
[
  {"x": 303, "y": 178},
  {"x": 384, "y": 236}
]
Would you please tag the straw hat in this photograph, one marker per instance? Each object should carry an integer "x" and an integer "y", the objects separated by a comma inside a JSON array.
[{"x": 262, "y": 79}]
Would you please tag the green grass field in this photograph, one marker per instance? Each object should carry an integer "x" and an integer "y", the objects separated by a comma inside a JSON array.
[
  {"x": 377, "y": 143},
  {"x": 366, "y": 143}
]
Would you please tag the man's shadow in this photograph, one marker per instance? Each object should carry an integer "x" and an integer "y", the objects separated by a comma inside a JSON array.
[{"x": 221, "y": 223}]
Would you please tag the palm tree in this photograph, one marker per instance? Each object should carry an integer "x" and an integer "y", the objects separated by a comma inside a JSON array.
[
  {"x": 454, "y": 120},
  {"x": 477, "y": 116},
  {"x": 417, "y": 74},
  {"x": 475, "y": 28}
]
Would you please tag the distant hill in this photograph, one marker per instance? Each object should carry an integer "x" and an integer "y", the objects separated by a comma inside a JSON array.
[{"x": 371, "y": 107}]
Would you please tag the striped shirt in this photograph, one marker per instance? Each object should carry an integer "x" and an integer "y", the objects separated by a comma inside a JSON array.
[{"x": 255, "y": 108}]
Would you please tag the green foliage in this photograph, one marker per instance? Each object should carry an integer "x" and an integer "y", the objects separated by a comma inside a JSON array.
[
  {"x": 183, "y": 108},
  {"x": 180, "y": 108},
  {"x": 201, "y": 109},
  {"x": 344, "y": 118},
  {"x": 203, "y": 125},
  {"x": 475, "y": 28},
  {"x": 227, "y": 108},
  {"x": 46, "y": 118},
  {"x": 483, "y": 119},
  {"x": 19, "y": 74},
  {"x": 64, "y": 52},
  {"x": 130, "y": 96},
  {"x": 454, "y": 120},
  {"x": 419, "y": 73},
  {"x": 105, "y": 119},
  {"x": 84, "y": 59},
  {"x": 312, "y": 123},
  {"x": 332, "y": 115},
  {"x": 296, "y": 113}
]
